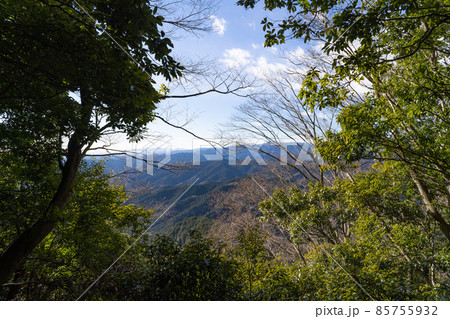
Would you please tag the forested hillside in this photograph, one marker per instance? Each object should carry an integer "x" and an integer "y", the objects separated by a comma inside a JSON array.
[
  {"x": 194, "y": 211},
  {"x": 362, "y": 214}
]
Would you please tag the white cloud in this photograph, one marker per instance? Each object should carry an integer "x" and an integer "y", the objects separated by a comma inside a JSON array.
[
  {"x": 263, "y": 68},
  {"x": 272, "y": 50},
  {"x": 236, "y": 57},
  {"x": 258, "y": 66},
  {"x": 255, "y": 46},
  {"x": 219, "y": 25},
  {"x": 298, "y": 54}
]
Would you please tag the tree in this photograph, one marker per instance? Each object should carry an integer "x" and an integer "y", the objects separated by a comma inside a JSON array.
[
  {"x": 68, "y": 259},
  {"x": 275, "y": 114},
  {"x": 165, "y": 271},
  {"x": 405, "y": 120},
  {"x": 365, "y": 233},
  {"x": 382, "y": 28},
  {"x": 240, "y": 215},
  {"x": 54, "y": 49},
  {"x": 401, "y": 49}
]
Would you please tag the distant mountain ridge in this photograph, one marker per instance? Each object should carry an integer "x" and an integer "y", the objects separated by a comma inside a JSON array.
[
  {"x": 207, "y": 164},
  {"x": 215, "y": 174},
  {"x": 216, "y": 170}
]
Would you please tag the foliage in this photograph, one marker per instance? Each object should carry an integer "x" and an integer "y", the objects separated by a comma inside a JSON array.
[
  {"x": 264, "y": 277},
  {"x": 69, "y": 255},
  {"x": 393, "y": 27},
  {"x": 23, "y": 194},
  {"x": 399, "y": 49},
  {"x": 372, "y": 226},
  {"x": 376, "y": 263},
  {"x": 82, "y": 56},
  {"x": 181, "y": 231},
  {"x": 166, "y": 271},
  {"x": 76, "y": 70},
  {"x": 381, "y": 234}
]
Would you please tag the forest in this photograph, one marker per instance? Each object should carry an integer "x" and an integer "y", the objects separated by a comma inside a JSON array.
[{"x": 364, "y": 215}]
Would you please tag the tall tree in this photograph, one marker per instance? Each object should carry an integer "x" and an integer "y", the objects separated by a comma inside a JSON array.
[
  {"x": 401, "y": 49},
  {"x": 68, "y": 259},
  {"x": 71, "y": 70}
]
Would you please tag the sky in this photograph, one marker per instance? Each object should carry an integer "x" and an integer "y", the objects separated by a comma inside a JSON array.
[{"x": 236, "y": 40}]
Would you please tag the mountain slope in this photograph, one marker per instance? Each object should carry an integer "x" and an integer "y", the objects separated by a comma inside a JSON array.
[{"x": 192, "y": 211}]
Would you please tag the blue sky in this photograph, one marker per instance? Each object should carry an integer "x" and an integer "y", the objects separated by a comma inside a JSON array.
[{"x": 237, "y": 39}]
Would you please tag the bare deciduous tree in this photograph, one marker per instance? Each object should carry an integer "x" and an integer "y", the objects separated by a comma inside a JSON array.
[{"x": 275, "y": 114}]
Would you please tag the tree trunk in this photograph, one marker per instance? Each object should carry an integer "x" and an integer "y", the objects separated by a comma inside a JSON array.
[
  {"x": 16, "y": 253},
  {"x": 443, "y": 225},
  {"x": 27, "y": 241}
]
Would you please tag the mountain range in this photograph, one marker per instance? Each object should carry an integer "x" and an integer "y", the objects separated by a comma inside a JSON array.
[{"x": 214, "y": 171}]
